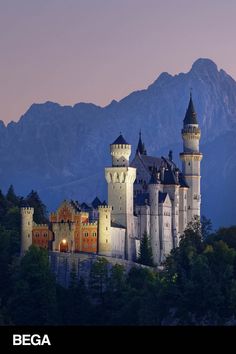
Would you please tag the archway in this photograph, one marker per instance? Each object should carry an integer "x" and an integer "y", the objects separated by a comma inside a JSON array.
[{"x": 64, "y": 245}]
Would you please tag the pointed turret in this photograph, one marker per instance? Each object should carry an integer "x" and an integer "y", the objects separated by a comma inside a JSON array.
[
  {"x": 141, "y": 147},
  {"x": 191, "y": 115}
]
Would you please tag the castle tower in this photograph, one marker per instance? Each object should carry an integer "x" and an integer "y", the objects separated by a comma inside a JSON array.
[
  {"x": 141, "y": 147},
  {"x": 153, "y": 189},
  {"x": 191, "y": 159},
  {"x": 104, "y": 231},
  {"x": 120, "y": 178},
  {"x": 26, "y": 228}
]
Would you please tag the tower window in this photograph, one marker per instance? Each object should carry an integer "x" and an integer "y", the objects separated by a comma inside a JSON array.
[
  {"x": 28, "y": 223},
  {"x": 106, "y": 216},
  {"x": 106, "y": 228},
  {"x": 189, "y": 164}
]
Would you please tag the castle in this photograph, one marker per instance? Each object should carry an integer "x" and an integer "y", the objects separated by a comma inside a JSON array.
[{"x": 149, "y": 195}]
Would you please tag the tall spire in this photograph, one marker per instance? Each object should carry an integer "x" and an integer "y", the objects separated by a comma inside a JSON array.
[
  {"x": 141, "y": 147},
  {"x": 190, "y": 116}
]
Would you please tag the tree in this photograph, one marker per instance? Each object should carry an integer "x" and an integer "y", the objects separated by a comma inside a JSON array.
[
  {"x": 98, "y": 279},
  {"x": 11, "y": 197},
  {"x": 145, "y": 252},
  {"x": 33, "y": 301},
  {"x": 40, "y": 213},
  {"x": 206, "y": 227}
]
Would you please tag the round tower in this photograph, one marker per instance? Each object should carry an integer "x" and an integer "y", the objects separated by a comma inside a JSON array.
[
  {"x": 120, "y": 178},
  {"x": 120, "y": 152},
  {"x": 153, "y": 189},
  {"x": 26, "y": 228},
  {"x": 191, "y": 159},
  {"x": 104, "y": 231}
]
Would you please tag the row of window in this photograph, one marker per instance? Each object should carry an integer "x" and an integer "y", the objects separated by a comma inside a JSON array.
[
  {"x": 38, "y": 235},
  {"x": 86, "y": 234}
]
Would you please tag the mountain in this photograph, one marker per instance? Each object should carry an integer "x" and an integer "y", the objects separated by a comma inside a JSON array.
[{"x": 61, "y": 151}]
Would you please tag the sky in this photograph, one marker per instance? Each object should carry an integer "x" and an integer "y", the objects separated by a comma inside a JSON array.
[{"x": 71, "y": 51}]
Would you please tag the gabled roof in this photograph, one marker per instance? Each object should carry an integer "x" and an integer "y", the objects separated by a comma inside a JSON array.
[
  {"x": 162, "y": 197},
  {"x": 154, "y": 179},
  {"x": 141, "y": 147},
  {"x": 96, "y": 202},
  {"x": 120, "y": 141},
  {"x": 191, "y": 115}
]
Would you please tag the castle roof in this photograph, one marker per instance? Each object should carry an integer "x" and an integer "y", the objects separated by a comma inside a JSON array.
[
  {"x": 191, "y": 115},
  {"x": 182, "y": 181},
  {"x": 114, "y": 224},
  {"x": 141, "y": 147},
  {"x": 162, "y": 197},
  {"x": 151, "y": 162},
  {"x": 154, "y": 179},
  {"x": 96, "y": 202},
  {"x": 120, "y": 141}
]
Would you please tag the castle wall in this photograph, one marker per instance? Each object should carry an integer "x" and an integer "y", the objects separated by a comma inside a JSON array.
[
  {"x": 41, "y": 236},
  {"x": 165, "y": 219},
  {"x": 143, "y": 217},
  {"x": 118, "y": 242}
]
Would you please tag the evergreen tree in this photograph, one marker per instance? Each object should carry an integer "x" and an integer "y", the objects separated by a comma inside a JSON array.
[
  {"x": 33, "y": 301},
  {"x": 11, "y": 197},
  {"x": 40, "y": 212},
  {"x": 3, "y": 206},
  {"x": 98, "y": 279},
  {"x": 145, "y": 252}
]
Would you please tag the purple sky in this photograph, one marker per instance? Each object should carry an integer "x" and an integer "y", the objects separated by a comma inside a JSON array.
[{"x": 69, "y": 51}]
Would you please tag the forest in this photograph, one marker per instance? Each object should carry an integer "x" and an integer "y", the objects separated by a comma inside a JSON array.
[{"x": 196, "y": 285}]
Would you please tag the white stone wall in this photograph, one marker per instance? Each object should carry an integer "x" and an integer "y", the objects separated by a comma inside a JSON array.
[
  {"x": 191, "y": 160},
  {"x": 173, "y": 191},
  {"x": 182, "y": 209},
  {"x": 120, "y": 196},
  {"x": 118, "y": 242},
  {"x": 143, "y": 217},
  {"x": 154, "y": 221},
  {"x": 26, "y": 228},
  {"x": 104, "y": 231},
  {"x": 166, "y": 237}
]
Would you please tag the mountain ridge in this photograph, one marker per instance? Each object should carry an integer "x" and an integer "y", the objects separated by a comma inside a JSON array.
[{"x": 61, "y": 150}]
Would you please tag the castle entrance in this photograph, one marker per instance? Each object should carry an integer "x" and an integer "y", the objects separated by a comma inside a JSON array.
[{"x": 64, "y": 245}]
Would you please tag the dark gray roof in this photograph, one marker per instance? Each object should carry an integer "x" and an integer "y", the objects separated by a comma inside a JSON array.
[
  {"x": 150, "y": 162},
  {"x": 114, "y": 224},
  {"x": 141, "y": 147},
  {"x": 162, "y": 197},
  {"x": 154, "y": 179},
  {"x": 190, "y": 116},
  {"x": 120, "y": 141},
  {"x": 170, "y": 176},
  {"x": 182, "y": 181},
  {"x": 96, "y": 202}
]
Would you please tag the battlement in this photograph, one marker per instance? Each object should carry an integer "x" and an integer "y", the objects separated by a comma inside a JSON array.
[
  {"x": 89, "y": 224},
  {"x": 120, "y": 146},
  {"x": 39, "y": 226},
  {"x": 26, "y": 210},
  {"x": 104, "y": 208}
]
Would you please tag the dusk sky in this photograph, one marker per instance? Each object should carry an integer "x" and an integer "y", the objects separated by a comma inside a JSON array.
[{"x": 68, "y": 51}]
